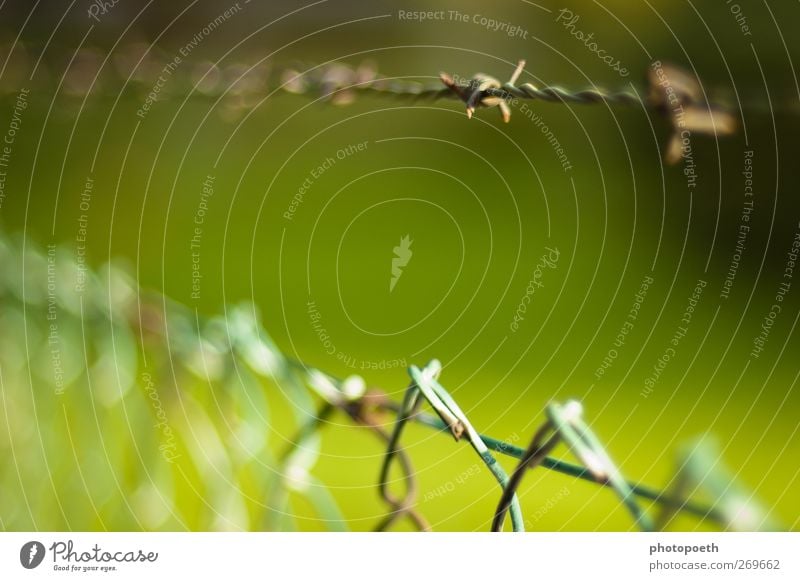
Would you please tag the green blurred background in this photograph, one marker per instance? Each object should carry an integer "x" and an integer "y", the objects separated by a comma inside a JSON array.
[{"x": 481, "y": 201}]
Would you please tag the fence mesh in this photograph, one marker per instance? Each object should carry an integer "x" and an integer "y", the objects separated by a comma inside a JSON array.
[{"x": 117, "y": 356}]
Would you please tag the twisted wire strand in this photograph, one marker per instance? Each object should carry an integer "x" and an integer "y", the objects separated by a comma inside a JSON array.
[
  {"x": 556, "y": 94},
  {"x": 340, "y": 78},
  {"x": 401, "y": 88},
  {"x": 407, "y": 90},
  {"x": 320, "y": 79}
]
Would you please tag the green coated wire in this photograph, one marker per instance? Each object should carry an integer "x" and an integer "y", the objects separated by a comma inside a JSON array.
[
  {"x": 432, "y": 389},
  {"x": 642, "y": 491},
  {"x": 580, "y": 472},
  {"x": 587, "y": 446}
]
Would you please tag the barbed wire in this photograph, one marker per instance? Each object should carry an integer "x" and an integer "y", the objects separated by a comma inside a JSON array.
[
  {"x": 672, "y": 93},
  {"x": 669, "y": 91}
]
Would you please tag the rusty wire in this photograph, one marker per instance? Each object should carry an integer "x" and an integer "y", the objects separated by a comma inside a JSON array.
[{"x": 670, "y": 91}]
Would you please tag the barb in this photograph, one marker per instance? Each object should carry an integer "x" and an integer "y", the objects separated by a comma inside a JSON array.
[
  {"x": 671, "y": 92},
  {"x": 341, "y": 83},
  {"x": 485, "y": 91},
  {"x": 668, "y": 90}
]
